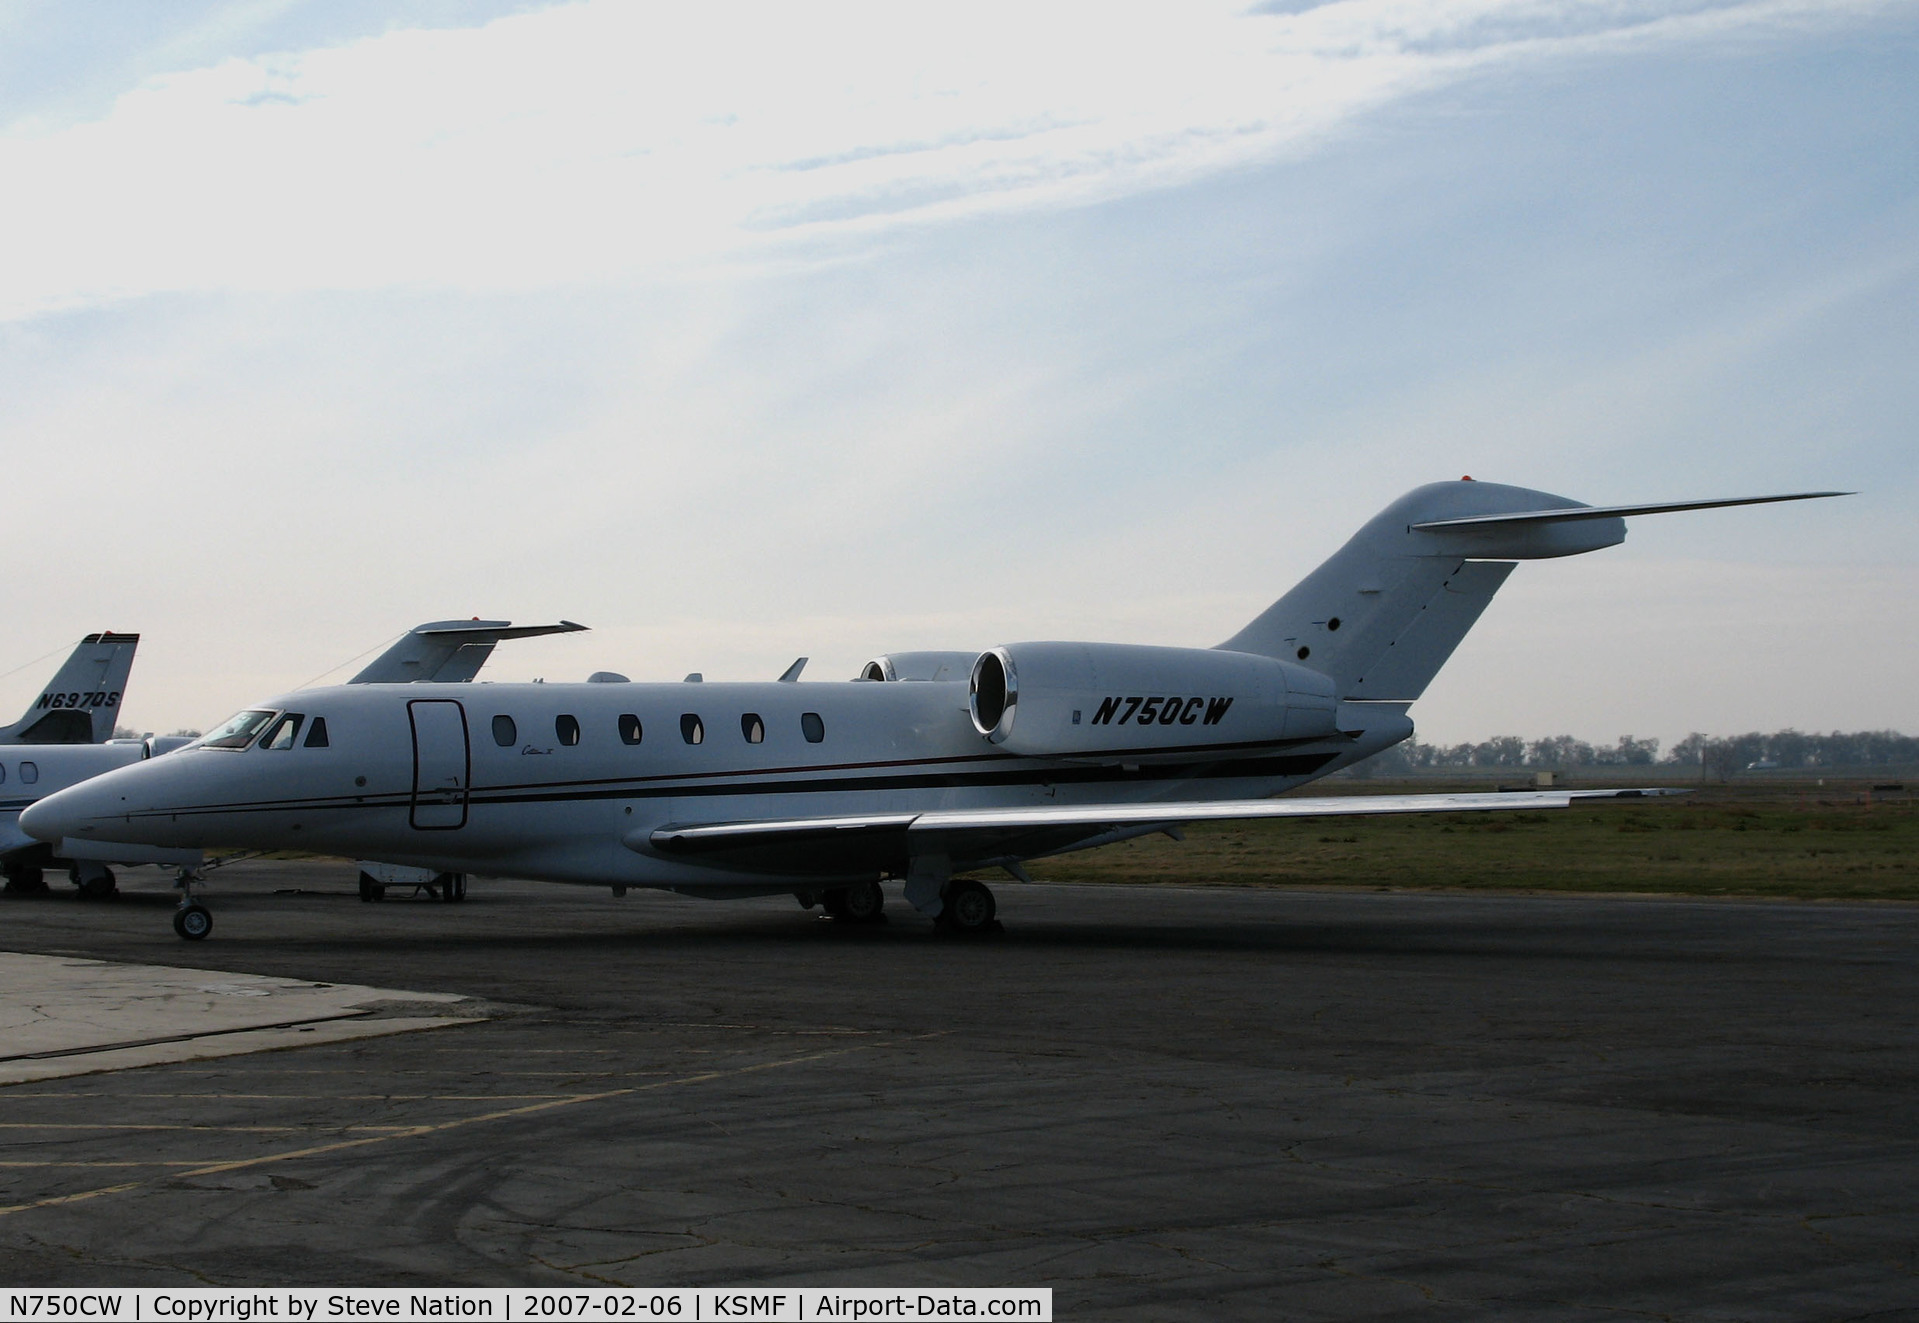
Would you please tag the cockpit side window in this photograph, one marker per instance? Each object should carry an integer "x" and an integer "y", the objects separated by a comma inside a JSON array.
[
  {"x": 238, "y": 731},
  {"x": 316, "y": 734},
  {"x": 281, "y": 734}
]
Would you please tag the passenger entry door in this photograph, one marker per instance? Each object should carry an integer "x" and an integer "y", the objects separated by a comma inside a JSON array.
[{"x": 440, "y": 764}]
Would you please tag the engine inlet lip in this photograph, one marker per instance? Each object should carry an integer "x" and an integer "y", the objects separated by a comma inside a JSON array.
[{"x": 993, "y": 690}]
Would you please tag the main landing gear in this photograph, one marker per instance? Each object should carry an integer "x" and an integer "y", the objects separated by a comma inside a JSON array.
[
  {"x": 969, "y": 909},
  {"x": 96, "y": 881},
  {"x": 863, "y": 902}
]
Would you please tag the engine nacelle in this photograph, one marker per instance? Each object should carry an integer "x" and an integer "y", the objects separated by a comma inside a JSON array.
[
  {"x": 919, "y": 666},
  {"x": 1116, "y": 700}
]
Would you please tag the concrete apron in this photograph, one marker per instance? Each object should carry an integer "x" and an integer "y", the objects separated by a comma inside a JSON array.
[{"x": 65, "y": 1016}]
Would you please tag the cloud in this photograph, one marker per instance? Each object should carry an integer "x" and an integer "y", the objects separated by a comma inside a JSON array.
[{"x": 602, "y": 141}]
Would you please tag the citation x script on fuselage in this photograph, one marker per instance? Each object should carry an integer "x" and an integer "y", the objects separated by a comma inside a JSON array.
[{"x": 825, "y": 791}]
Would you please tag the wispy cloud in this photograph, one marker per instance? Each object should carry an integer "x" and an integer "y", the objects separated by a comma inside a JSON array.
[{"x": 602, "y": 140}]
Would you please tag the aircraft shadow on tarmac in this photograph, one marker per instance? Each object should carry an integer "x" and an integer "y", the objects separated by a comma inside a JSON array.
[{"x": 1595, "y": 937}]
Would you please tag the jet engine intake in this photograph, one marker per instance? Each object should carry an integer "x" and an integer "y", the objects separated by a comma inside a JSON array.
[{"x": 1120, "y": 702}]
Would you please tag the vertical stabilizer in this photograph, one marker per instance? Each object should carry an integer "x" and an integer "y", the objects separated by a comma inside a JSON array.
[
  {"x": 1383, "y": 614},
  {"x": 1386, "y": 611},
  {"x": 82, "y": 701}
]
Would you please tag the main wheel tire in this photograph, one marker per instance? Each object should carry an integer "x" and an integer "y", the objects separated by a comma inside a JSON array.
[
  {"x": 97, "y": 886},
  {"x": 970, "y": 908},
  {"x": 456, "y": 882},
  {"x": 863, "y": 902},
  {"x": 27, "y": 882},
  {"x": 834, "y": 902},
  {"x": 370, "y": 889},
  {"x": 193, "y": 921}
]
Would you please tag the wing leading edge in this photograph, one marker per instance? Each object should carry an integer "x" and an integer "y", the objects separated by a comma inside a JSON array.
[{"x": 854, "y": 842}]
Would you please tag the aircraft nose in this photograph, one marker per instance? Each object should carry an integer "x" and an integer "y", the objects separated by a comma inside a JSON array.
[{"x": 62, "y": 814}]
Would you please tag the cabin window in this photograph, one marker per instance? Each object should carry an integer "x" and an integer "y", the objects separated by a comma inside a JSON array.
[
  {"x": 282, "y": 733},
  {"x": 238, "y": 732},
  {"x": 29, "y": 773},
  {"x": 753, "y": 728},
  {"x": 812, "y": 727},
  {"x": 630, "y": 731},
  {"x": 316, "y": 734},
  {"x": 567, "y": 729},
  {"x": 692, "y": 729},
  {"x": 3, "y": 774},
  {"x": 505, "y": 733}
]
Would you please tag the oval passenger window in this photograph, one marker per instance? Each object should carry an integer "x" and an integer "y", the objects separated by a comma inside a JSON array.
[
  {"x": 567, "y": 729},
  {"x": 812, "y": 727},
  {"x": 505, "y": 733},
  {"x": 691, "y": 729},
  {"x": 629, "y": 728},
  {"x": 753, "y": 728}
]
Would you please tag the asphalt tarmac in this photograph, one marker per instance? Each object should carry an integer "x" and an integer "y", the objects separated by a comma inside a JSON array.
[{"x": 1165, "y": 1103}]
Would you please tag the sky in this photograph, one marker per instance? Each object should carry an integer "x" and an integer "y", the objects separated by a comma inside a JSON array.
[{"x": 741, "y": 332}]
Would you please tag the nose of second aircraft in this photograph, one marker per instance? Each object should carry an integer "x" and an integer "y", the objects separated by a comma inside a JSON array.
[{"x": 87, "y": 811}]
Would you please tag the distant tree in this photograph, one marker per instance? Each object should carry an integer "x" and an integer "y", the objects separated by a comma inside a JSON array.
[
  {"x": 126, "y": 733},
  {"x": 190, "y": 734},
  {"x": 1500, "y": 751},
  {"x": 1690, "y": 750}
]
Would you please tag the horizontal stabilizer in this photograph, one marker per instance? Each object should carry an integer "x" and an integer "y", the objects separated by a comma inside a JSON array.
[
  {"x": 448, "y": 651},
  {"x": 1611, "y": 511},
  {"x": 849, "y": 842}
]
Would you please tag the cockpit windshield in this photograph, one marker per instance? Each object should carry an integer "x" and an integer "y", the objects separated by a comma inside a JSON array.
[{"x": 238, "y": 732}]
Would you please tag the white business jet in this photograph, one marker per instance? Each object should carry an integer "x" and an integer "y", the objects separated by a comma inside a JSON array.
[
  {"x": 823, "y": 791},
  {"x": 83, "y": 700}
]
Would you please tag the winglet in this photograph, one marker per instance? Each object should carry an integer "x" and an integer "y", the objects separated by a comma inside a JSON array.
[{"x": 791, "y": 674}]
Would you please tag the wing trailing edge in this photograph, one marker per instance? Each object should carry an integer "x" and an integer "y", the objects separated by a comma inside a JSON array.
[{"x": 849, "y": 842}]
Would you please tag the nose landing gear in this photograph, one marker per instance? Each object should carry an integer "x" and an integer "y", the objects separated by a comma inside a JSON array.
[{"x": 192, "y": 921}]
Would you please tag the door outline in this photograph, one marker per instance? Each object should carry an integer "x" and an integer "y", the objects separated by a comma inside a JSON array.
[{"x": 439, "y": 808}]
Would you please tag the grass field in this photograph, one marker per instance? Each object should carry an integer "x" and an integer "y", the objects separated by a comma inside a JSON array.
[{"x": 1832, "y": 842}]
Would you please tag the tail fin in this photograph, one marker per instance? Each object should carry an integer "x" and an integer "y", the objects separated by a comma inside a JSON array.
[
  {"x": 81, "y": 702},
  {"x": 1383, "y": 614},
  {"x": 448, "y": 651}
]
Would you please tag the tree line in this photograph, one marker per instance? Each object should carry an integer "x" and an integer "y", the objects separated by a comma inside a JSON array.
[{"x": 1782, "y": 749}]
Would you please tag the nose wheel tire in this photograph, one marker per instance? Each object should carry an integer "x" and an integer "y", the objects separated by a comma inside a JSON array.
[
  {"x": 969, "y": 909},
  {"x": 193, "y": 921},
  {"x": 371, "y": 890}
]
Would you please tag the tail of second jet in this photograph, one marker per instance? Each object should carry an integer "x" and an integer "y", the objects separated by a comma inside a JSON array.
[{"x": 82, "y": 701}]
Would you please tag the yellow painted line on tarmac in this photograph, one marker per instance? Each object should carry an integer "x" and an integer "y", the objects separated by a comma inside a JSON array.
[
  {"x": 297, "y": 1097},
  {"x": 411, "y": 1132},
  {"x": 218, "y": 1129},
  {"x": 177, "y": 1162}
]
